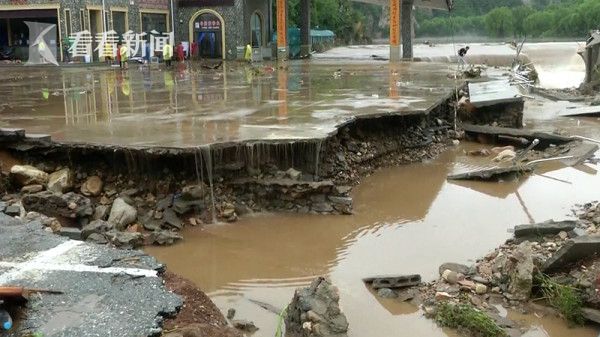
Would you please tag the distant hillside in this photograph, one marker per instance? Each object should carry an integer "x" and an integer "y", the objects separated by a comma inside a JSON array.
[{"x": 512, "y": 18}]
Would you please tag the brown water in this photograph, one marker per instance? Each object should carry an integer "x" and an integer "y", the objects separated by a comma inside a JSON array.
[
  {"x": 189, "y": 106},
  {"x": 407, "y": 220}
]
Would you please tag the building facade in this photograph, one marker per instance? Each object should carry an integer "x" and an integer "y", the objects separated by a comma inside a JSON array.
[{"x": 214, "y": 28}]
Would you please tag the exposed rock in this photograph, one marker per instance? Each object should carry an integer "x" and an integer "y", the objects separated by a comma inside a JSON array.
[
  {"x": 97, "y": 238},
  {"x": 70, "y": 232},
  {"x": 68, "y": 205},
  {"x": 230, "y": 313},
  {"x": 591, "y": 314},
  {"x": 164, "y": 203},
  {"x": 450, "y": 276},
  {"x": 13, "y": 210},
  {"x": 521, "y": 276},
  {"x": 124, "y": 239},
  {"x": 456, "y": 267},
  {"x": 314, "y": 311},
  {"x": 101, "y": 212},
  {"x": 194, "y": 192},
  {"x": 549, "y": 227},
  {"x": 574, "y": 250},
  {"x": 28, "y": 175},
  {"x": 61, "y": 181},
  {"x": 480, "y": 289},
  {"x": 322, "y": 207},
  {"x": 96, "y": 226},
  {"x": 181, "y": 206},
  {"x": 92, "y": 186},
  {"x": 32, "y": 188},
  {"x": 122, "y": 214},
  {"x": 293, "y": 173},
  {"x": 163, "y": 237},
  {"x": 171, "y": 219},
  {"x": 244, "y": 325},
  {"x": 386, "y": 293}
]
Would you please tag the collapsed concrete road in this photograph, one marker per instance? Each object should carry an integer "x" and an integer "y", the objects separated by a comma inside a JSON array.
[{"x": 105, "y": 291}]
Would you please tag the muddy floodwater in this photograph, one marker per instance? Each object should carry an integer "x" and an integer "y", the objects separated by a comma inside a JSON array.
[{"x": 407, "y": 219}]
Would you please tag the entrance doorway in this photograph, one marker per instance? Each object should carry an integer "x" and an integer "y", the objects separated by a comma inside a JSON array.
[
  {"x": 96, "y": 26},
  {"x": 207, "y": 35}
]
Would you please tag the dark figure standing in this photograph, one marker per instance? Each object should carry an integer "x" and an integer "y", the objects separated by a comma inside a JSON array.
[{"x": 462, "y": 52}]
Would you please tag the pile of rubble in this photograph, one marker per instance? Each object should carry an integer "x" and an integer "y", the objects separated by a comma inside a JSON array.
[
  {"x": 565, "y": 252},
  {"x": 90, "y": 208}
]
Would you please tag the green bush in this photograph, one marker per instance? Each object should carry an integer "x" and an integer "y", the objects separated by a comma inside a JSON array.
[
  {"x": 468, "y": 318},
  {"x": 563, "y": 298}
]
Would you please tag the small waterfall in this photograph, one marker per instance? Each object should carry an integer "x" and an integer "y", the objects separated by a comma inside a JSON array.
[
  {"x": 317, "y": 157},
  {"x": 208, "y": 163}
]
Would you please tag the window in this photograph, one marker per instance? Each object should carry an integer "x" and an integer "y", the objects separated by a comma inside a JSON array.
[
  {"x": 256, "y": 29},
  {"x": 154, "y": 21},
  {"x": 69, "y": 27},
  {"x": 119, "y": 22}
]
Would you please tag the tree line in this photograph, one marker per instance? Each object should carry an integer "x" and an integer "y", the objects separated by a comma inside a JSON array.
[{"x": 511, "y": 18}]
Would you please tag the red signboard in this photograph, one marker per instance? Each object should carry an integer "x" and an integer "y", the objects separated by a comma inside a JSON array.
[
  {"x": 281, "y": 24},
  {"x": 395, "y": 22}
]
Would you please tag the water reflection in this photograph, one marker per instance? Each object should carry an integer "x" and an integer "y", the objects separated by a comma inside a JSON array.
[{"x": 190, "y": 105}]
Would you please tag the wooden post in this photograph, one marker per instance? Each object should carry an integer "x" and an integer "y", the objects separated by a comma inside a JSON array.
[
  {"x": 395, "y": 30},
  {"x": 282, "y": 45}
]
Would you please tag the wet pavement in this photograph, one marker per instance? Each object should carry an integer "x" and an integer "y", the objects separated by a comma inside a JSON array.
[
  {"x": 190, "y": 106},
  {"x": 105, "y": 291}
]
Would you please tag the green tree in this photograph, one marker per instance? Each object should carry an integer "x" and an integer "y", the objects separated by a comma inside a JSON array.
[
  {"x": 519, "y": 14},
  {"x": 500, "y": 22}
]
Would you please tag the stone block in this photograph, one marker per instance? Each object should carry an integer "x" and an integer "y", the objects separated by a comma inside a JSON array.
[
  {"x": 549, "y": 227},
  {"x": 574, "y": 250},
  {"x": 393, "y": 282},
  {"x": 70, "y": 232}
]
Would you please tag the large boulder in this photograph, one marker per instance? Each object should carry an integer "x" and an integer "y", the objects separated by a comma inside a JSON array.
[
  {"x": 68, "y": 205},
  {"x": 122, "y": 214},
  {"x": 315, "y": 312},
  {"x": 194, "y": 192},
  {"x": 520, "y": 268},
  {"x": 125, "y": 239},
  {"x": 60, "y": 181},
  {"x": 96, "y": 226},
  {"x": 164, "y": 237},
  {"x": 28, "y": 175},
  {"x": 92, "y": 187}
]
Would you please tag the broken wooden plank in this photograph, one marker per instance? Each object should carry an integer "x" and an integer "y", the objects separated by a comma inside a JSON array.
[
  {"x": 490, "y": 173},
  {"x": 492, "y": 93},
  {"x": 530, "y": 135}
]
